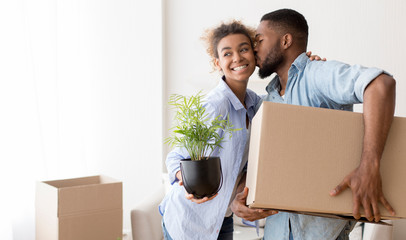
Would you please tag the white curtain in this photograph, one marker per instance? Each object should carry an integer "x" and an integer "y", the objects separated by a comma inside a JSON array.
[{"x": 80, "y": 94}]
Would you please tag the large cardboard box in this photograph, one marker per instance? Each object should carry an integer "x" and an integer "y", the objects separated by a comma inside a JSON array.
[
  {"x": 79, "y": 209},
  {"x": 298, "y": 154}
]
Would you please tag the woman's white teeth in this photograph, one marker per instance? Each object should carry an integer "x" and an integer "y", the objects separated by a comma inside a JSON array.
[{"x": 240, "y": 67}]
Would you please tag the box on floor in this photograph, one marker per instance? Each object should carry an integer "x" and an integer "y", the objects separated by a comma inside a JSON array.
[{"x": 79, "y": 209}]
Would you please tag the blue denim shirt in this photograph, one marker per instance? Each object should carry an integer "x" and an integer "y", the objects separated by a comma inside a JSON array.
[
  {"x": 187, "y": 220},
  {"x": 326, "y": 84}
]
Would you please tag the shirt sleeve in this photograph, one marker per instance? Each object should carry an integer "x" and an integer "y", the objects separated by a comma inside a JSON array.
[
  {"x": 173, "y": 162},
  {"x": 340, "y": 82}
]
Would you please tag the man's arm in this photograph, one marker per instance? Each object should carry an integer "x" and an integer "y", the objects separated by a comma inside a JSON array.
[
  {"x": 365, "y": 181},
  {"x": 241, "y": 210}
]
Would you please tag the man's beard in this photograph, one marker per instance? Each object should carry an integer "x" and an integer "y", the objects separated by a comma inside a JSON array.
[{"x": 271, "y": 63}]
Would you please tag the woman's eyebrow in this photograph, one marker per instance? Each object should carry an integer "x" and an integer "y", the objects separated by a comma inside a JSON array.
[
  {"x": 225, "y": 48},
  {"x": 228, "y": 48},
  {"x": 243, "y": 43}
]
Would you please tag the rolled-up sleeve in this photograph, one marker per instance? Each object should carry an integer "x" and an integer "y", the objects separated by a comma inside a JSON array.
[
  {"x": 343, "y": 83},
  {"x": 365, "y": 79}
]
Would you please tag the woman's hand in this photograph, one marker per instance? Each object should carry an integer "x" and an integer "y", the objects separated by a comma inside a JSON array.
[
  {"x": 191, "y": 197},
  {"x": 314, "y": 57},
  {"x": 179, "y": 177}
]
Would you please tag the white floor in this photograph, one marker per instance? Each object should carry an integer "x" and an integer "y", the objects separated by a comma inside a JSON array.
[{"x": 247, "y": 233}]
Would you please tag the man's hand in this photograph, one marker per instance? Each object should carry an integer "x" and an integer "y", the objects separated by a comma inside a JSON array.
[
  {"x": 365, "y": 181},
  {"x": 241, "y": 210},
  {"x": 191, "y": 197},
  {"x": 366, "y": 186}
]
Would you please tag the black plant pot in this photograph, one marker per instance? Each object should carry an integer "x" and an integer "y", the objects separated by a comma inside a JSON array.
[{"x": 202, "y": 178}]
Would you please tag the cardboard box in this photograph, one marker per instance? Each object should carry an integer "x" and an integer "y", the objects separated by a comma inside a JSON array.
[
  {"x": 79, "y": 209},
  {"x": 298, "y": 154}
]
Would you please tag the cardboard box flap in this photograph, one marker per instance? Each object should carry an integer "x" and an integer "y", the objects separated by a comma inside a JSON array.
[
  {"x": 307, "y": 151},
  {"x": 46, "y": 197},
  {"x": 83, "y": 181},
  {"x": 46, "y": 205},
  {"x": 88, "y": 194}
]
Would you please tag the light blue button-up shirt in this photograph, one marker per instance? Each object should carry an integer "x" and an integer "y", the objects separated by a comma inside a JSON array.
[
  {"x": 326, "y": 84},
  {"x": 187, "y": 220}
]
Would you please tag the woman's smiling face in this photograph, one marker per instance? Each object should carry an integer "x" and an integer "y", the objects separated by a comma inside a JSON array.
[{"x": 236, "y": 57}]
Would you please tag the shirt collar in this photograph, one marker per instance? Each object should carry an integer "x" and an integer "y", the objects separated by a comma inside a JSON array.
[
  {"x": 273, "y": 85},
  {"x": 235, "y": 102},
  {"x": 298, "y": 65},
  {"x": 300, "y": 62}
]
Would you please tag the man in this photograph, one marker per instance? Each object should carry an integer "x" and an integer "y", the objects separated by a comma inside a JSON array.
[{"x": 281, "y": 45}]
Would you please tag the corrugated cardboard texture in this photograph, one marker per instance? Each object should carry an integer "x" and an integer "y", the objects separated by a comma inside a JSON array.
[
  {"x": 298, "y": 154},
  {"x": 80, "y": 208},
  {"x": 102, "y": 225}
]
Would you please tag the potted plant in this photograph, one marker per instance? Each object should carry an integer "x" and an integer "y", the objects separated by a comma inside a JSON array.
[{"x": 199, "y": 135}]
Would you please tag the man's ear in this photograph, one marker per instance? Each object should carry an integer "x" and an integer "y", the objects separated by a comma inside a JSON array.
[{"x": 287, "y": 41}]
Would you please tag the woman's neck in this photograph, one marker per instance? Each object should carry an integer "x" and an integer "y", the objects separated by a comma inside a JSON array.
[{"x": 239, "y": 88}]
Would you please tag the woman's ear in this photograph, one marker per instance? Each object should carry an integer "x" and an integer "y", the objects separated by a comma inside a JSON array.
[
  {"x": 287, "y": 40},
  {"x": 217, "y": 64}
]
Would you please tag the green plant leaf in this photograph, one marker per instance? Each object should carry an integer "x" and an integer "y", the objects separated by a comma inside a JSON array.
[{"x": 193, "y": 129}]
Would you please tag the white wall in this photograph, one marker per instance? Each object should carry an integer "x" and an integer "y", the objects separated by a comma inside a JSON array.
[
  {"x": 80, "y": 94},
  {"x": 368, "y": 32},
  {"x": 365, "y": 32}
]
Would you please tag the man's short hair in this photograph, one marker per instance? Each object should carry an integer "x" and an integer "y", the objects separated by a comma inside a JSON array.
[{"x": 288, "y": 21}]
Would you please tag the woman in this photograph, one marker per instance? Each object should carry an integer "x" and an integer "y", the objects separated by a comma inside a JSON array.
[{"x": 231, "y": 49}]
